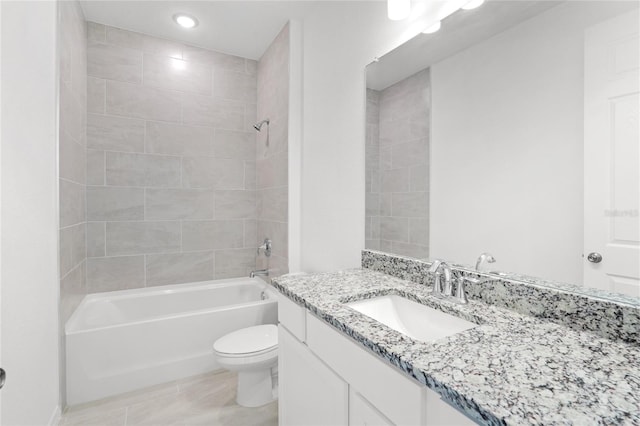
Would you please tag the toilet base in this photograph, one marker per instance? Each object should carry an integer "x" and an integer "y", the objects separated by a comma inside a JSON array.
[{"x": 255, "y": 388}]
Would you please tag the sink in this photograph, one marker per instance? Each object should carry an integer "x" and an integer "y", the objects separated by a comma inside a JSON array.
[{"x": 413, "y": 319}]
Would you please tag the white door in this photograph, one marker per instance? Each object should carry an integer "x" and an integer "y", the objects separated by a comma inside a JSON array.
[{"x": 612, "y": 156}]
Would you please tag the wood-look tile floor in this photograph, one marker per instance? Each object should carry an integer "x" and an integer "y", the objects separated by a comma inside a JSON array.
[{"x": 205, "y": 400}]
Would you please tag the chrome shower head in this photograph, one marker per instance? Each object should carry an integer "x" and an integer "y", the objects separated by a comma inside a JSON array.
[{"x": 258, "y": 126}]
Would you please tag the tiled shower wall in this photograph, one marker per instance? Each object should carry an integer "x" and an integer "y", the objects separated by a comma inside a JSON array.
[
  {"x": 171, "y": 172},
  {"x": 72, "y": 151},
  {"x": 272, "y": 153},
  {"x": 372, "y": 171},
  {"x": 404, "y": 128}
]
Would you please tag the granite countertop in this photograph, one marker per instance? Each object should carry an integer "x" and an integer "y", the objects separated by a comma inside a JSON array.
[{"x": 512, "y": 369}]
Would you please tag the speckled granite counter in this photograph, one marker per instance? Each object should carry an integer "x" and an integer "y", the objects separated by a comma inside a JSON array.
[{"x": 512, "y": 369}]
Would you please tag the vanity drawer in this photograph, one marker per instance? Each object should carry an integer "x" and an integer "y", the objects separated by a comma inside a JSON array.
[
  {"x": 397, "y": 397},
  {"x": 292, "y": 317}
]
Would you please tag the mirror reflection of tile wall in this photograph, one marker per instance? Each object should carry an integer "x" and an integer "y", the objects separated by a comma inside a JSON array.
[{"x": 397, "y": 167}]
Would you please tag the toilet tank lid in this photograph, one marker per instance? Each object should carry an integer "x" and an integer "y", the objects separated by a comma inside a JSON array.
[{"x": 248, "y": 340}]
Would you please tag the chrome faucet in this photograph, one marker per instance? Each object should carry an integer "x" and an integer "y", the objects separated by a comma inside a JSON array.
[
  {"x": 266, "y": 247},
  {"x": 484, "y": 257},
  {"x": 263, "y": 272},
  {"x": 438, "y": 288},
  {"x": 445, "y": 289}
]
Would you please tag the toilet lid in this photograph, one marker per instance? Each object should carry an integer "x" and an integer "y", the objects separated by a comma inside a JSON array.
[{"x": 248, "y": 340}]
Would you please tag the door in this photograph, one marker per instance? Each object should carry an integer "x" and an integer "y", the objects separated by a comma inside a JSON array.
[{"x": 612, "y": 156}]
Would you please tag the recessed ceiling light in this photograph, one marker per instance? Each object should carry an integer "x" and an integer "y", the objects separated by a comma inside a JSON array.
[
  {"x": 185, "y": 21},
  {"x": 397, "y": 10},
  {"x": 473, "y": 4},
  {"x": 432, "y": 28}
]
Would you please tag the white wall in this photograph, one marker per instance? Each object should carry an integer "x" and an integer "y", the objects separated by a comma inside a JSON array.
[
  {"x": 507, "y": 146},
  {"x": 29, "y": 325},
  {"x": 339, "y": 41}
]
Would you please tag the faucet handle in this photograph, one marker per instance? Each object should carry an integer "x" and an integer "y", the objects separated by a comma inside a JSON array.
[
  {"x": 266, "y": 246},
  {"x": 461, "y": 295}
]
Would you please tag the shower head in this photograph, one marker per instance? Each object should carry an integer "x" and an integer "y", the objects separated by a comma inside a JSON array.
[{"x": 258, "y": 126}]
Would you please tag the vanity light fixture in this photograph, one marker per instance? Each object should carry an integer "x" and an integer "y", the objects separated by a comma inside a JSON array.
[
  {"x": 185, "y": 21},
  {"x": 432, "y": 28},
  {"x": 397, "y": 10},
  {"x": 473, "y": 4}
]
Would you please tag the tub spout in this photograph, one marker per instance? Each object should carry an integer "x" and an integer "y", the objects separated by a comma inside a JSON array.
[{"x": 263, "y": 272}]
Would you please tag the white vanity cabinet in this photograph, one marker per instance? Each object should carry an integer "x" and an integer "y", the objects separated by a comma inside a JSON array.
[{"x": 325, "y": 378}]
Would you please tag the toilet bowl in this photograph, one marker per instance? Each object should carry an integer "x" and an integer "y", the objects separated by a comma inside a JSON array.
[{"x": 253, "y": 353}]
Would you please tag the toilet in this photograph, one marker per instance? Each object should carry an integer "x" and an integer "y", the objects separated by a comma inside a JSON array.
[{"x": 253, "y": 353}]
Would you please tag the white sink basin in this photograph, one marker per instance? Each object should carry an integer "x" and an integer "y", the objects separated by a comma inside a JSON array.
[{"x": 413, "y": 319}]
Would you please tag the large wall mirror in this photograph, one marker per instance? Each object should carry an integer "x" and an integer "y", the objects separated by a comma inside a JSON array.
[{"x": 513, "y": 130}]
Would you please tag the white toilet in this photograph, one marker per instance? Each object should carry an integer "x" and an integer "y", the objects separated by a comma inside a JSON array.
[{"x": 253, "y": 353}]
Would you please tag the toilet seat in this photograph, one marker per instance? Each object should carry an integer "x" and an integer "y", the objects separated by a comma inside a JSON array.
[{"x": 250, "y": 341}]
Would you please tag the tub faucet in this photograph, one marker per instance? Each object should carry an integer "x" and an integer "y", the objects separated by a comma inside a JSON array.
[{"x": 263, "y": 272}]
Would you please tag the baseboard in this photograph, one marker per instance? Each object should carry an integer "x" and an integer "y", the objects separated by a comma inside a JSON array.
[{"x": 55, "y": 417}]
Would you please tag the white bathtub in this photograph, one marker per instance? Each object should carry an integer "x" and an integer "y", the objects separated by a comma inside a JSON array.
[{"x": 125, "y": 340}]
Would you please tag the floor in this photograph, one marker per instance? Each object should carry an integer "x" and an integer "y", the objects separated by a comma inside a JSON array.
[{"x": 208, "y": 400}]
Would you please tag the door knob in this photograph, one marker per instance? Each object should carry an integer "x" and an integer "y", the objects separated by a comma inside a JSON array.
[
  {"x": 3, "y": 377},
  {"x": 594, "y": 257}
]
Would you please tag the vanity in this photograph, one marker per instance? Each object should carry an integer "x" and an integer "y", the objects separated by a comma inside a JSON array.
[{"x": 339, "y": 366}]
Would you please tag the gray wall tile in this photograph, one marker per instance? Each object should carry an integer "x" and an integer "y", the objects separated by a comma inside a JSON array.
[
  {"x": 131, "y": 100},
  {"x": 238, "y": 86},
  {"x": 73, "y": 287},
  {"x": 176, "y": 74},
  {"x": 95, "y": 167},
  {"x": 176, "y": 268},
  {"x": 396, "y": 180},
  {"x": 72, "y": 247},
  {"x": 162, "y": 204},
  {"x": 72, "y": 203},
  {"x": 204, "y": 172},
  {"x": 96, "y": 95},
  {"x": 114, "y": 203},
  {"x": 235, "y": 204},
  {"x": 115, "y": 133},
  {"x": 114, "y": 273},
  {"x": 72, "y": 160},
  {"x": 214, "y": 234},
  {"x": 96, "y": 239},
  {"x": 174, "y": 139},
  {"x": 142, "y": 237},
  {"x": 215, "y": 112},
  {"x": 114, "y": 63},
  {"x": 234, "y": 263},
  {"x": 273, "y": 204},
  {"x": 217, "y": 60},
  {"x": 411, "y": 204},
  {"x": 394, "y": 228},
  {"x": 234, "y": 144},
  {"x": 124, "y": 169}
]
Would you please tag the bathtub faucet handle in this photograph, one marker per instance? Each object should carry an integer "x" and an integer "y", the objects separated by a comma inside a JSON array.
[{"x": 266, "y": 246}]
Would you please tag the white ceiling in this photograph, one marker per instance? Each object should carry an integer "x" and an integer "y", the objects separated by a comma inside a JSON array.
[
  {"x": 242, "y": 28},
  {"x": 459, "y": 31}
]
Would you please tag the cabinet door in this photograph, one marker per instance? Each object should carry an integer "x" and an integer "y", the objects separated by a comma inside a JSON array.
[
  {"x": 310, "y": 393},
  {"x": 362, "y": 413}
]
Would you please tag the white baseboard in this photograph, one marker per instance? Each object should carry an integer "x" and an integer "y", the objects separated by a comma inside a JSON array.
[{"x": 55, "y": 417}]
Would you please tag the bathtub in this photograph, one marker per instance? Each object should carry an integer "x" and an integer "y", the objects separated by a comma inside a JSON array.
[{"x": 125, "y": 340}]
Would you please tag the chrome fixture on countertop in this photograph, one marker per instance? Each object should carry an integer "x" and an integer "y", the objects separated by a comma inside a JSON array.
[
  {"x": 484, "y": 257},
  {"x": 442, "y": 283}
]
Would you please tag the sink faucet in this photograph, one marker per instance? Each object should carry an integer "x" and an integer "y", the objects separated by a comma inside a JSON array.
[
  {"x": 444, "y": 289},
  {"x": 438, "y": 288},
  {"x": 263, "y": 272}
]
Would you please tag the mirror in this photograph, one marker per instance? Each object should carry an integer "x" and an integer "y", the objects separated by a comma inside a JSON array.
[{"x": 503, "y": 133}]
